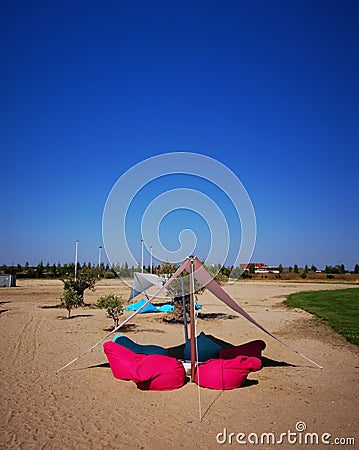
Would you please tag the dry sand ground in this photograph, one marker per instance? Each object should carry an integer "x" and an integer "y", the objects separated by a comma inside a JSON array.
[{"x": 86, "y": 408}]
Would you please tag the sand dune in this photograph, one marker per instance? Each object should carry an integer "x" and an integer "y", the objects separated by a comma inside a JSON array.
[{"x": 84, "y": 407}]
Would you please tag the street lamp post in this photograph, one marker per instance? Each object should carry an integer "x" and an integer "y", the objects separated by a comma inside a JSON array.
[
  {"x": 151, "y": 258},
  {"x": 99, "y": 255},
  {"x": 76, "y": 255},
  {"x": 142, "y": 255}
]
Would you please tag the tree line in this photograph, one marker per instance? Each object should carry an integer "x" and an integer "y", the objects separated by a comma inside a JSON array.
[
  {"x": 105, "y": 271},
  {"x": 64, "y": 270}
]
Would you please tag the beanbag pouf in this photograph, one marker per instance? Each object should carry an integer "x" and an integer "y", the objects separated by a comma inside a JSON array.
[
  {"x": 147, "y": 309},
  {"x": 206, "y": 348},
  {"x": 167, "y": 308},
  {"x": 158, "y": 373},
  {"x": 138, "y": 348},
  {"x": 224, "y": 374},
  {"x": 253, "y": 348},
  {"x": 121, "y": 359}
]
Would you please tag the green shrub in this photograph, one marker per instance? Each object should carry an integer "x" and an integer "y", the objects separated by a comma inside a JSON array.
[
  {"x": 70, "y": 300},
  {"x": 113, "y": 306}
]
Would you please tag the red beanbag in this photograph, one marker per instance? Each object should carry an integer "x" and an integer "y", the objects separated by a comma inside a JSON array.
[
  {"x": 159, "y": 373},
  {"x": 121, "y": 359},
  {"x": 155, "y": 372},
  {"x": 226, "y": 374},
  {"x": 253, "y": 348}
]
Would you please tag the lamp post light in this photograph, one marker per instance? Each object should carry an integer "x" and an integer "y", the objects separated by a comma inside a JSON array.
[
  {"x": 99, "y": 255},
  {"x": 76, "y": 255},
  {"x": 151, "y": 258},
  {"x": 142, "y": 244}
]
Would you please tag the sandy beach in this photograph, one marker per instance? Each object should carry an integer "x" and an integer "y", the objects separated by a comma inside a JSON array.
[{"x": 85, "y": 407}]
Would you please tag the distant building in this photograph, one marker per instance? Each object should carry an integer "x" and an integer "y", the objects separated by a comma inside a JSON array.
[
  {"x": 7, "y": 280},
  {"x": 259, "y": 268},
  {"x": 256, "y": 265}
]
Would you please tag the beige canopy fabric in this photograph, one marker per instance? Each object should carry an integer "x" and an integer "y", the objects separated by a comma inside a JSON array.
[{"x": 143, "y": 281}]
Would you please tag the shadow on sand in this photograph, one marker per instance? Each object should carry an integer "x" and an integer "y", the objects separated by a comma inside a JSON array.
[
  {"x": 178, "y": 353},
  {"x": 212, "y": 316},
  {"x": 75, "y": 316}
]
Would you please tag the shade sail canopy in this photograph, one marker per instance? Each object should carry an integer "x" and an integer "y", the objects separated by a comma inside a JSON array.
[
  {"x": 143, "y": 281},
  {"x": 191, "y": 265}
]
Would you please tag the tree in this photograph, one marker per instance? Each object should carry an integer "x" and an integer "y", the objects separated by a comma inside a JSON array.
[
  {"x": 224, "y": 274},
  {"x": 356, "y": 268},
  {"x": 86, "y": 279},
  {"x": 304, "y": 273},
  {"x": 313, "y": 268},
  {"x": 331, "y": 270},
  {"x": 166, "y": 268},
  {"x": 40, "y": 270},
  {"x": 175, "y": 290},
  {"x": 252, "y": 269},
  {"x": 221, "y": 277},
  {"x": 101, "y": 270},
  {"x": 54, "y": 270},
  {"x": 280, "y": 268},
  {"x": 342, "y": 269},
  {"x": 113, "y": 304},
  {"x": 290, "y": 269},
  {"x": 237, "y": 272},
  {"x": 70, "y": 300},
  {"x": 295, "y": 270},
  {"x": 123, "y": 271}
]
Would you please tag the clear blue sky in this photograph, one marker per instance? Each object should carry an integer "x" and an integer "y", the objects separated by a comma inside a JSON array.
[{"x": 269, "y": 88}]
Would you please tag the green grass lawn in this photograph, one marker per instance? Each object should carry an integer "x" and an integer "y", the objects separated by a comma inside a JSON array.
[{"x": 339, "y": 308}]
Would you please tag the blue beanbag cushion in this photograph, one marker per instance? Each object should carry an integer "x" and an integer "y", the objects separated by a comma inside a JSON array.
[
  {"x": 138, "y": 348},
  {"x": 167, "y": 308},
  {"x": 135, "y": 306},
  {"x": 207, "y": 349}
]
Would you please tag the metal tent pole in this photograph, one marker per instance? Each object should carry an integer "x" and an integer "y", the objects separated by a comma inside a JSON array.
[
  {"x": 185, "y": 324},
  {"x": 192, "y": 323}
]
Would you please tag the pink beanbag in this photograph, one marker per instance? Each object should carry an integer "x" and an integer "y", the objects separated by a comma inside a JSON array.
[
  {"x": 121, "y": 359},
  {"x": 226, "y": 374},
  {"x": 159, "y": 373},
  {"x": 253, "y": 348}
]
